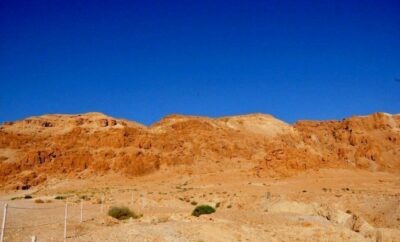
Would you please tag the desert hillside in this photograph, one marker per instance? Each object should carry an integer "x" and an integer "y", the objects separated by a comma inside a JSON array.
[
  {"x": 38, "y": 148},
  {"x": 267, "y": 180}
]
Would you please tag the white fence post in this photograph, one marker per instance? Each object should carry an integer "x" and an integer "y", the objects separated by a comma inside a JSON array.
[
  {"x": 33, "y": 238},
  {"x": 81, "y": 211},
  {"x": 65, "y": 221},
  {"x": 4, "y": 222}
]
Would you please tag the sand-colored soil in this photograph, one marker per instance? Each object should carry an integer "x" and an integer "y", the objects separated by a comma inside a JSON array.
[{"x": 324, "y": 205}]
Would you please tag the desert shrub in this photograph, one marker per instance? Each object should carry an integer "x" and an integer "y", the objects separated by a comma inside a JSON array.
[
  {"x": 27, "y": 197},
  {"x": 121, "y": 213},
  {"x": 59, "y": 197},
  {"x": 218, "y": 204},
  {"x": 84, "y": 197},
  {"x": 203, "y": 209},
  {"x": 39, "y": 201},
  {"x": 194, "y": 203}
]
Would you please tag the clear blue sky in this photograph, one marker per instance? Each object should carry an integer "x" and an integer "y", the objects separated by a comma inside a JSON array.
[{"x": 142, "y": 60}]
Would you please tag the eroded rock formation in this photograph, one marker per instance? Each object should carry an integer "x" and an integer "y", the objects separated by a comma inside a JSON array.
[{"x": 34, "y": 149}]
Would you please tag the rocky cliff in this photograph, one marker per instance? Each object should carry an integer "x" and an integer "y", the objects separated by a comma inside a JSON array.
[{"x": 38, "y": 148}]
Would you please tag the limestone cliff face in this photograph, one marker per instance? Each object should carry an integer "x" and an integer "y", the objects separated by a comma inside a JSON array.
[{"x": 34, "y": 149}]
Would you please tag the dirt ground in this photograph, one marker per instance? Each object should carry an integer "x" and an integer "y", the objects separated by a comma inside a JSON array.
[{"x": 324, "y": 205}]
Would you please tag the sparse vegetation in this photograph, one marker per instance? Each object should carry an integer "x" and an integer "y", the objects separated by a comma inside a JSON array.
[
  {"x": 194, "y": 203},
  {"x": 85, "y": 197},
  {"x": 203, "y": 209},
  {"x": 218, "y": 204},
  {"x": 163, "y": 219},
  {"x": 121, "y": 213},
  {"x": 39, "y": 201},
  {"x": 28, "y": 197},
  {"x": 58, "y": 197},
  {"x": 229, "y": 206}
]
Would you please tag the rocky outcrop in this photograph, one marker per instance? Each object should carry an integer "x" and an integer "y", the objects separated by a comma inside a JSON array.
[{"x": 36, "y": 148}]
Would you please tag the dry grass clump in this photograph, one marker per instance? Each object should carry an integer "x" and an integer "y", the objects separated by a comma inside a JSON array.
[{"x": 121, "y": 213}]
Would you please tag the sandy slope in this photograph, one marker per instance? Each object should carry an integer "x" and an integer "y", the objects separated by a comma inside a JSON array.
[{"x": 325, "y": 205}]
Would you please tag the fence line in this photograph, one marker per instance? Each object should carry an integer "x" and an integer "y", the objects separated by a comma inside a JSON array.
[
  {"x": 73, "y": 213},
  {"x": 67, "y": 217},
  {"x": 32, "y": 226},
  {"x": 3, "y": 223},
  {"x": 30, "y": 208}
]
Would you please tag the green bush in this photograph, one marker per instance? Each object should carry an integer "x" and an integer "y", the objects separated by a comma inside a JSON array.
[
  {"x": 121, "y": 213},
  {"x": 203, "y": 209}
]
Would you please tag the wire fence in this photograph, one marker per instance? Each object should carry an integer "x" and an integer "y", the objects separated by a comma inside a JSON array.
[
  {"x": 61, "y": 220},
  {"x": 58, "y": 221}
]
